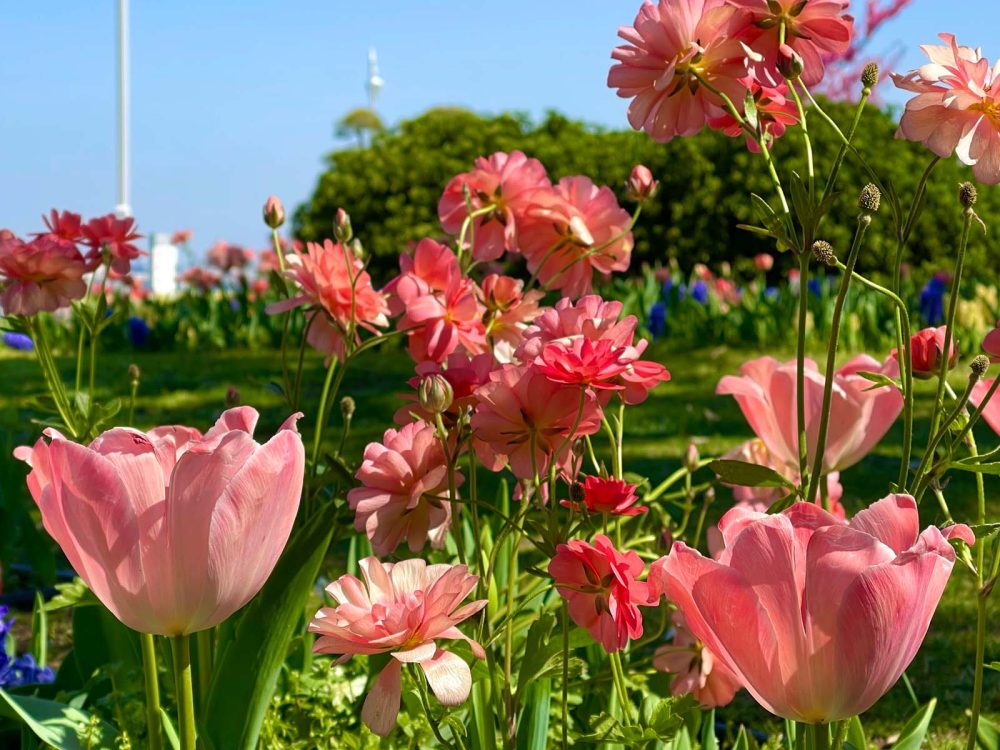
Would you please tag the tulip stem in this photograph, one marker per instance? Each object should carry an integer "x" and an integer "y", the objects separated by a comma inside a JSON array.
[
  {"x": 149, "y": 670},
  {"x": 565, "y": 676},
  {"x": 800, "y": 363},
  {"x": 820, "y": 736},
  {"x": 831, "y": 362},
  {"x": 185, "y": 692}
]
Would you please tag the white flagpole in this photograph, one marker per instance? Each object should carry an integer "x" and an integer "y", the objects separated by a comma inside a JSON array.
[{"x": 123, "y": 208}]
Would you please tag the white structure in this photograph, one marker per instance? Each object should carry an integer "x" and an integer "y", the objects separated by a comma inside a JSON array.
[
  {"x": 375, "y": 81},
  {"x": 163, "y": 265},
  {"x": 124, "y": 208}
]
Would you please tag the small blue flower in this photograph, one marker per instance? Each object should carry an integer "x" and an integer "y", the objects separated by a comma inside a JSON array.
[
  {"x": 138, "y": 332},
  {"x": 771, "y": 292},
  {"x": 932, "y": 301},
  {"x": 23, "y": 670},
  {"x": 657, "y": 322},
  {"x": 20, "y": 341},
  {"x": 699, "y": 292},
  {"x": 816, "y": 286}
]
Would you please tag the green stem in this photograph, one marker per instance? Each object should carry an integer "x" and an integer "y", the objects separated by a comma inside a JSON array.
[
  {"x": 185, "y": 692},
  {"x": 810, "y": 167},
  {"x": 841, "y": 735},
  {"x": 977, "y": 688},
  {"x": 922, "y": 474},
  {"x": 618, "y": 674},
  {"x": 849, "y": 138},
  {"x": 800, "y": 363},
  {"x": 203, "y": 642},
  {"x": 153, "y": 721},
  {"x": 831, "y": 357},
  {"x": 51, "y": 374},
  {"x": 820, "y": 736},
  {"x": 565, "y": 676}
]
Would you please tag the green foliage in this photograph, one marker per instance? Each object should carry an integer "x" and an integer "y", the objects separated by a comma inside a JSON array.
[{"x": 391, "y": 188}]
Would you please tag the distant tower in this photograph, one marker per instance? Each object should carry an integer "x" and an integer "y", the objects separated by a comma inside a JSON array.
[
  {"x": 375, "y": 82},
  {"x": 124, "y": 208}
]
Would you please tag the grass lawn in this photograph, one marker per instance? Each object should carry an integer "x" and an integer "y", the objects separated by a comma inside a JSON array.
[{"x": 190, "y": 388}]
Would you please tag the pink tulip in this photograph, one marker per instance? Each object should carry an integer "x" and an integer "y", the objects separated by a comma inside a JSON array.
[
  {"x": 401, "y": 609},
  {"x": 403, "y": 480},
  {"x": 816, "y": 617},
  {"x": 991, "y": 412},
  {"x": 955, "y": 107},
  {"x": 45, "y": 274},
  {"x": 601, "y": 589},
  {"x": 503, "y": 181},
  {"x": 860, "y": 415},
  {"x": 991, "y": 344},
  {"x": 698, "y": 671},
  {"x": 173, "y": 531}
]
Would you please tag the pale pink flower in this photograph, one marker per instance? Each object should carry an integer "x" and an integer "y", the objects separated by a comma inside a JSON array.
[
  {"x": 860, "y": 415},
  {"x": 571, "y": 230},
  {"x": 601, "y": 589},
  {"x": 697, "y": 670},
  {"x": 45, "y": 274},
  {"x": 814, "y": 30},
  {"x": 173, "y": 531},
  {"x": 503, "y": 181},
  {"x": 404, "y": 490},
  {"x": 817, "y": 618},
  {"x": 331, "y": 279},
  {"x": 524, "y": 419},
  {"x": 401, "y": 609},
  {"x": 956, "y": 107},
  {"x": 670, "y": 46}
]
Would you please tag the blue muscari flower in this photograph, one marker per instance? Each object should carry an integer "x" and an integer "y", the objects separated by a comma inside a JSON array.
[
  {"x": 234, "y": 304},
  {"x": 657, "y": 322},
  {"x": 771, "y": 292},
  {"x": 19, "y": 341},
  {"x": 932, "y": 301},
  {"x": 138, "y": 332},
  {"x": 699, "y": 292},
  {"x": 22, "y": 670},
  {"x": 815, "y": 286}
]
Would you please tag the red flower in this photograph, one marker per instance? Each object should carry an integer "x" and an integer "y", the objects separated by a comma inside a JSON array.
[
  {"x": 582, "y": 362},
  {"x": 65, "y": 225},
  {"x": 601, "y": 589},
  {"x": 612, "y": 496},
  {"x": 107, "y": 233},
  {"x": 926, "y": 348}
]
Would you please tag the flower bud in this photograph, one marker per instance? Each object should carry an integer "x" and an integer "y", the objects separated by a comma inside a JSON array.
[
  {"x": 991, "y": 344},
  {"x": 576, "y": 493},
  {"x": 789, "y": 63},
  {"x": 763, "y": 261},
  {"x": 641, "y": 186},
  {"x": 967, "y": 194},
  {"x": 233, "y": 397},
  {"x": 274, "y": 212},
  {"x": 347, "y": 407},
  {"x": 926, "y": 349},
  {"x": 691, "y": 458},
  {"x": 357, "y": 249},
  {"x": 823, "y": 253},
  {"x": 134, "y": 374},
  {"x": 979, "y": 365},
  {"x": 435, "y": 394},
  {"x": 342, "y": 229},
  {"x": 869, "y": 75},
  {"x": 870, "y": 199}
]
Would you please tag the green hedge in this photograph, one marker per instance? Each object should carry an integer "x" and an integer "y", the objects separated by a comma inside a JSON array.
[{"x": 391, "y": 187}]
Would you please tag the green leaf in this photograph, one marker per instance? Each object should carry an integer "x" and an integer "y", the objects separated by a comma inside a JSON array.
[
  {"x": 988, "y": 734},
  {"x": 72, "y": 594},
  {"x": 991, "y": 469},
  {"x": 708, "y": 738},
  {"x": 879, "y": 379},
  {"x": 534, "y": 725},
  {"x": 801, "y": 202},
  {"x": 855, "y": 739},
  {"x": 911, "y": 737},
  {"x": 745, "y": 474},
  {"x": 169, "y": 730},
  {"x": 55, "y": 723},
  {"x": 248, "y": 665}
]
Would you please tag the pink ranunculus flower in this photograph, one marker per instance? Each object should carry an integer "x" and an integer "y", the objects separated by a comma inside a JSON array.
[
  {"x": 589, "y": 317},
  {"x": 45, "y": 274},
  {"x": 859, "y": 414},
  {"x": 817, "y": 618},
  {"x": 65, "y": 225},
  {"x": 401, "y": 609},
  {"x": 572, "y": 230},
  {"x": 503, "y": 181},
  {"x": 814, "y": 30},
  {"x": 670, "y": 46},
  {"x": 525, "y": 420},
  {"x": 404, "y": 479},
  {"x": 601, "y": 589},
  {"x": 775, "y": 112},
  {"x": 200, "y": 278},
  {"x": 464, "y": 374},
  {"x": 172, "y": 530},
  {"x": 333, "y": 280},
  {"x": 438, "y": 304},
  {"x": 509, "y": 311},
  {"x": 698, "y": 671},
  {"x": 115, "y": 237},
  {"x": 956, "y": 108},
  {"x": 593, "y": 364}
]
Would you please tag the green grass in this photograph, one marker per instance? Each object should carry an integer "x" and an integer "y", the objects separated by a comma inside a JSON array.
[{"x": 190, "y": 388}]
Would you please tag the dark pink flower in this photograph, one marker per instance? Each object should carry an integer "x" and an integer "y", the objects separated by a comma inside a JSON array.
[
  {"x": 114, "y": 236},
  {"x": 615, "y": 497},
  {"x": 42, "y": 275}
]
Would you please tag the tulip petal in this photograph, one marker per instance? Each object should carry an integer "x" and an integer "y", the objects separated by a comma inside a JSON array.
[
  {"x": 449, "y": 677},
  {"x": 382, "y": 703},
  {"x": 892, "y": 520}
]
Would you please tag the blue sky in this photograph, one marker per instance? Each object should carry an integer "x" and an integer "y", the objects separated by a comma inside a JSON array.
[{"x": 233, "y": 100}]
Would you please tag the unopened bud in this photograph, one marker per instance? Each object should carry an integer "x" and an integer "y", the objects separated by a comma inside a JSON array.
[
  {"x": 870, "y": 199},
  {"x": 666, "y": 539},
  {"x": 233, "y": 397},
  {"x": 576, "y": 493},
  {"x": 347, "y": 407},
  {"x": 691, "y": 458},
  {"x": 274, "y": 212},
  {"x": 357, "y": 249},
  {"x": 342, "y": 229},
  {"x": 134, "y": 374},
  {"x": 435, "y": 394},
  {"x": 823, "y": 253},
  {"x": 979, "y": 365},
  {"x": 967, "y": 194},
  {"x": 869, "y": 75},
  {"x": 641, "y": 186},
  {"x": 789, "y": 63}
]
